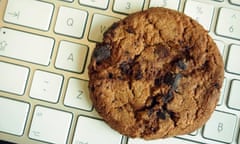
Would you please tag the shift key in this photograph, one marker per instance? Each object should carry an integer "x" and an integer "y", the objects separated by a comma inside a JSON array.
[{"x": 25, "y": 46}]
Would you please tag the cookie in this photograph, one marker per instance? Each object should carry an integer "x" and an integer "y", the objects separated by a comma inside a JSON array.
[{"x": 156, "y": 74}]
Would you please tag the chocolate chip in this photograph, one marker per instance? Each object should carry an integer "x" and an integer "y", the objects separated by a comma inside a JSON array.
[
  {"x": 161, "y": 115},
  {"x": 169, "y": 96},
  {"x": 130, "y": 30},
  {"x": 101, "y": 52},
  {"x": 157, "y": 81},
  {"x": 216, "y": 85},
  {"x": 181, "y": 65},
  {"x": 168, "y": 78},
  {"x": 176, "y": 81},
  {"x": 138, "y": 75},
  {"x": 125, "y": 68},
  {"x": 110, "y": 75}
]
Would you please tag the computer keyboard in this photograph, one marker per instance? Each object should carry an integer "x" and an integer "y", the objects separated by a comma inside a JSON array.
[{"x": 45, "y": 48}]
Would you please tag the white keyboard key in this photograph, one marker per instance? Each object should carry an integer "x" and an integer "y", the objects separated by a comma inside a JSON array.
[
  {"x": 71, "y": 22},
  {"x": 201, "y": 12},
  {"x": 236, "y": 2},
  {"x": 93, "y": 131},
  {"x": 46, "y": 86},
  {"x": 13, "y": 78},
  {"x": 102, "y": 4},
  {"x": 71, "y": 56},
  {"x": 25, "y": 46},
  {"x": 160, "y": 141},
  {"x": 128, "y": 6},
  {"x": 28, "y": 13},
  {"x": 172, "y": 4},
  {"x": 99, "y": 25},
  {"x": 228, "y": 23},
  {"x": 220, "y": 127},
  {"x": 220, "y": 46},
  {"x": 50, "y": 125},
  {"x": 13, "y": 116},
  {"x": 77, "y": 95},
  {"x": 233, "y": 59},
  {"x": 234, "y": 101}
]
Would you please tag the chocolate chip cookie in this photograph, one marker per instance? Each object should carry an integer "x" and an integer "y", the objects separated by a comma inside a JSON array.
[{"x": 156, "y": 74}]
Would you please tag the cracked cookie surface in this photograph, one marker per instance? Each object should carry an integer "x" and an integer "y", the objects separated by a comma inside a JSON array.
[{"x": 156, "y": 74}]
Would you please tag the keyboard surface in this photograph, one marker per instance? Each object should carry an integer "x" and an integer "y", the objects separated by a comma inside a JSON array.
[{"x": 45, "y": 47}]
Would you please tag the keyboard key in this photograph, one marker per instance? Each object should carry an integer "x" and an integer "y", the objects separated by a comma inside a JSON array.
[
  {"x": 13, "y": 116},
  {"x": 71, "y": 56},
  {"x": 100, "y": 24},
  {"x": 235, "y": 2},
  {"x": 71, "y": 22},
  {"x": 33, "y": 14},
  {"x": 220, "y": 46},
  {"x": 13, "y": 78},
  {"x": 220, "y": 127},
  {"x": 46, "y": 86},
  {"x": 50, "y": 125},
  {"x": 25, "y": 46},
  {"x": 160, "y": 141},
  {"x": 233, "y": 59},
  {"x": 201, "y": 12},
  {"x": 77, "y": 94},
  {"x": 172, "y": 4},
  {"x": 86, "y": 127},
  {"x": 228, "y": 23},
  {"x": 233, "y": 100},
  {"x": 102, "y": 4},
  {"x": 128, "y": 6}
]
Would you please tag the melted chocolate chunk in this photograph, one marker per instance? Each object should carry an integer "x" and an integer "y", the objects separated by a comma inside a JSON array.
[
  {"x": 161, "y": 115},
  {"x": 181, "y": 65},
  {"x": 130, "y": 30},
  {"x": 161, "y": 51},
  {"x": 138, "y": 75},
  {"x": 101, "y": 52},
  {"x": 110, "y": 75},
  {"x": 157, "y": 81},
  {"x": 176, "y": 81},
  {"x": 168, "y": 78},
  {"x": 125, "y": 68}
]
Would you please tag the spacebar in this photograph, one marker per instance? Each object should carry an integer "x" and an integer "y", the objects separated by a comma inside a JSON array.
[{"x": 25, "y": 46}]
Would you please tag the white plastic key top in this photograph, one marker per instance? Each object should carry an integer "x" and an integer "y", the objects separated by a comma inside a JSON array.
[
  {"x": 71, "y": 56},
  {"x": 228, "y": 23},
  {"x": 201, "y": 12},
  {"x": 77, "y": 94},
  {"x": 160, "y": 141},
  {"x": 233, "y": 59},
  {"x": 46, "y": 86},
  {"x": 25, "y": 46},
  {"x": 29, "y": 13},
  {"x": 102, "y": 4},
  {"x": 13, "y": 78},
  {"x": 172, "y": 4},
  {"x": 13, "y": 116},
  {"x": 100, "y": 24},
  {"x": 93, "y": 131},
  {"x": 234, "y": 101},
  {"x": 128, "y": 6},
  {"x": 50, "y": 125},
  {"x": 220, "y": 127},
  {"x": 71, "y": 22}
]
